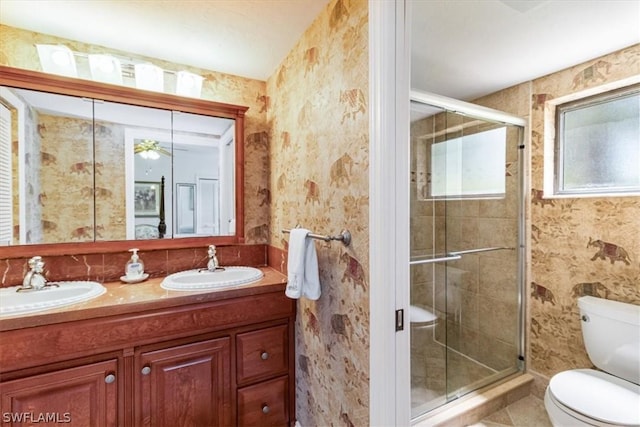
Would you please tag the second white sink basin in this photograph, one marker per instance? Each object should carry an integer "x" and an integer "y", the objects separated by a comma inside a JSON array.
[
  {"x": 67, "y": 293},
  {"x": 199, "y": 279}
]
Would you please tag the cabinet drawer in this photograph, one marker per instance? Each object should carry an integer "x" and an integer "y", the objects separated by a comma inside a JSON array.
[
  {"x": 264, "y": 404},
  {"x": 262, "y": 353}
]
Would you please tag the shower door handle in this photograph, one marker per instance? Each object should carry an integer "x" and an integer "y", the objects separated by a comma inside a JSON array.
[
  {"x": 453, "y": 256},
  {"x": 449, "y": 257},
  {"x": 475, "y": 251}
]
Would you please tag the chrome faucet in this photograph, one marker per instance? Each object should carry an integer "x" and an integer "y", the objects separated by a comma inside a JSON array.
[
  {"x": 213, "y": 264},
  {"x": 34, "y": 279}
]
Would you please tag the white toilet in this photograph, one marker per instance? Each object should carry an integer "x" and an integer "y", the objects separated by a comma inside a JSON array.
[
  {"x": 586, "y": 397},
  {"x": 420, "y": 318}
]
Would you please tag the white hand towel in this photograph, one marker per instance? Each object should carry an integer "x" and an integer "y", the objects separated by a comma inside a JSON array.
[{"x": 302, "y": 265}]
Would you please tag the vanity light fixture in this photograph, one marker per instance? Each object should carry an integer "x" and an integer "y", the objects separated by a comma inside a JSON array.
[
  {"x": 105, "y": 69},
  {"x": 188, "y": 84},
  {"x": 57, "y": 59},
  {"x": 149, "y": 77}
]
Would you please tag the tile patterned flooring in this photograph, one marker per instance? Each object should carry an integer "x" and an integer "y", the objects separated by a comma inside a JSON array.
[{"x": 526, "y": 412}]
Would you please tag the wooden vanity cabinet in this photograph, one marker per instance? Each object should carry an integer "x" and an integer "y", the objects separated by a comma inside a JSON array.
[
  {"x": 264, "y": 404},
  {"x": 217, "y": 363},
  {"x": 262, "y": 360},
  {"x": 81, "y": 396},
  {"x": 262, "y": 353},
  {"x": 187, "y": 385}
]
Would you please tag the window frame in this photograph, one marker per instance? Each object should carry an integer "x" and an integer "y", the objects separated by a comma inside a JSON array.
[{"x": 561, "y": 109}]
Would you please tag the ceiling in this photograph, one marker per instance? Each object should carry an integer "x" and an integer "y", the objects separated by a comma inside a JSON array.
[
  {"x": 247, "y": 38},
  {"x": 461, "y": 48},
  {"x": 466, "y": 49}
]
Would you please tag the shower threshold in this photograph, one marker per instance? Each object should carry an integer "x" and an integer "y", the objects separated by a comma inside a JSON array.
[
  {"x": 458, "y": 374},
  {"x": 478, "y": 400}
]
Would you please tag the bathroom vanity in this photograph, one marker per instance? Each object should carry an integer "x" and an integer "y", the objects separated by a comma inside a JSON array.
[
  {"x": 141, "y": 355},
  {"x": 138, "y": 354}
]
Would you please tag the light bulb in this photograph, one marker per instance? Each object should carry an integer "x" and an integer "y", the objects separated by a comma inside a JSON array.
[
  {"x": 60, "y": 57},
  {"x": 188, "y": 84},
  {"x": 106, "y": 69},
  {"x": 105, "y": 64}
]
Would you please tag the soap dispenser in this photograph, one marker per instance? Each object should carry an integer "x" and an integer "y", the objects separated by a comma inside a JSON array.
[{"x": 134, "y": 269}]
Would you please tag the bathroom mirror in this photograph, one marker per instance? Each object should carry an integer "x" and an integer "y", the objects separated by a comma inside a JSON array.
[{"x": 86, "y": 161}]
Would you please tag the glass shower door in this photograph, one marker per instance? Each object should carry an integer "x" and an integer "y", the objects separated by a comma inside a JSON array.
[{"x": 465, "y": 222}]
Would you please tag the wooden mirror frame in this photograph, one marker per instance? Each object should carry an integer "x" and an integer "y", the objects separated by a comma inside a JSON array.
[{"x": 33, "y": 80}]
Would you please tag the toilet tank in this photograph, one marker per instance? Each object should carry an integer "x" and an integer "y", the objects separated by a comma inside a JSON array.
[{"x": 611, "y": 332}]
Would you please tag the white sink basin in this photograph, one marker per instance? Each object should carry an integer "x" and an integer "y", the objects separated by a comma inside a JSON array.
[
  {"x": 67, "y": 293},
  {"x": 199, "y": 279}
]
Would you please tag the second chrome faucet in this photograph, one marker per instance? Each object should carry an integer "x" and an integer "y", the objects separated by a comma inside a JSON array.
[
  {"x": 34, "y": 280},
  {"x": 213, "y": 264}
]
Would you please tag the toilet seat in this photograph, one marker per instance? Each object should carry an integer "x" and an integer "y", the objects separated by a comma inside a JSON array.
[
  {"x": 419, "y": 317},
  {"x": 596, "y": 397}
]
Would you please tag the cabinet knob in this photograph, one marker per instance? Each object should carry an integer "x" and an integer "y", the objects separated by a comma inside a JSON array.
[
  {"x": 265, "y": 408},
  {"x": 110, "y": 378},
  {"x": 146, "y": 370},
  {"x": 264, "y": 355}
]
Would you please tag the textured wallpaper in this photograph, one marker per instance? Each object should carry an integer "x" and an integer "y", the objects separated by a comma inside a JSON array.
[
  {"x": 66, "y": 178},
  {"x": 578, "y": 246},
  {"x": 318, "y": 113}
]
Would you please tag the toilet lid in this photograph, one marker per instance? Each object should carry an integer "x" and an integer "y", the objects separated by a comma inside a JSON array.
[
  {"x": 598, "y": 395},
  {"x": 418, "y": 315}
]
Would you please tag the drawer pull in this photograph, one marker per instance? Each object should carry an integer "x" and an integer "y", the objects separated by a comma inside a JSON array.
[
  {"x": 111, "y": 378},
  {"x": 265, "y": 408},
  {"x": 146, "y": 370},
  {"x": 264, "y": 355}
]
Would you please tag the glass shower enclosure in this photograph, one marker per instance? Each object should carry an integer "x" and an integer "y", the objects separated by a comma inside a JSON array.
[{"x": 466, "y": 252}]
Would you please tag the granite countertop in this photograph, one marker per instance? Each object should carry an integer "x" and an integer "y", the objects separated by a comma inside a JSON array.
[{"x": 122, "y": 298}]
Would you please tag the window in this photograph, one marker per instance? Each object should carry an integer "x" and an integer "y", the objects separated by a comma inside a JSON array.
[
  {"x": 597, "y": 146},
  {"x": 469, "y": 166}
]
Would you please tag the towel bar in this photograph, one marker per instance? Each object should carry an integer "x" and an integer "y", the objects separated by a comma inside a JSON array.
[{"x": 344, "y": 236}]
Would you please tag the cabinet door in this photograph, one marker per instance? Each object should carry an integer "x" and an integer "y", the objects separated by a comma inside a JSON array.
[
  {"x": 187, "y": 385},
  {"x": 82, "y": 396}
]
